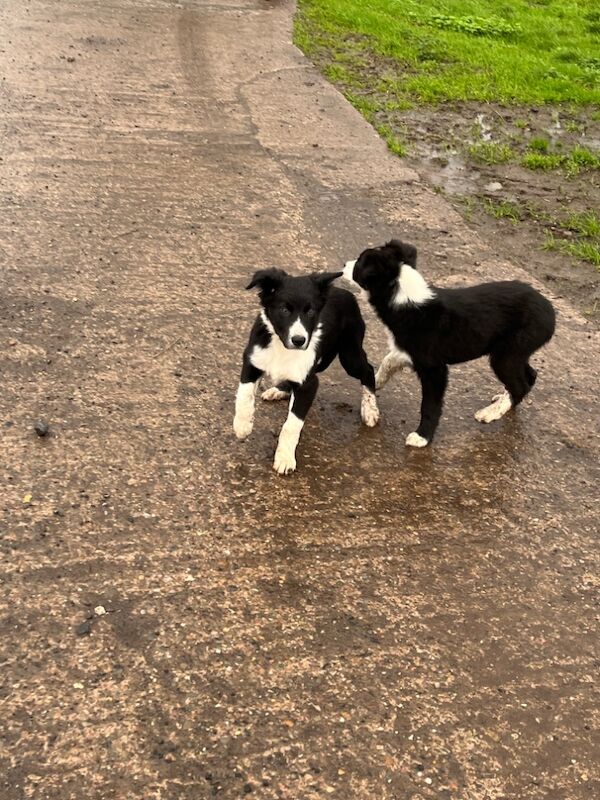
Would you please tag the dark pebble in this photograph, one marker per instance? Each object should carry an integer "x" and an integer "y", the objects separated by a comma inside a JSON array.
[
  {"x": 41, "y": 428},
  {"x": 84, "y": 629},
  {"x": 247, "y": 788}
]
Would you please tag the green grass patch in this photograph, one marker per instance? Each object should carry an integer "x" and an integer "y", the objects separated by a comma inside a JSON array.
[
  {"x": 504, "y": 209},
  {"x": 578, "y": 160},
  {"x": 586, "y": 251},
  {"x": 586, "y": 244},
  {"x": 480, "y": 50},
  {"x": 542, "y": 161},
  {"x": 586, "y": 224},
  {"x": 394, "y": 144},
  {"x": 490, "y": 152},
  {"x": 583, "y": 250},
  {"x": 539, "y": 145}
]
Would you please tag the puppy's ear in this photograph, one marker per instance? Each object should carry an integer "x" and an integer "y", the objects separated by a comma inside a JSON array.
[
  {"x": 267, "y": 280},
  {"x": 407, "y": 253},
  {"x": 325, "y": 279}
]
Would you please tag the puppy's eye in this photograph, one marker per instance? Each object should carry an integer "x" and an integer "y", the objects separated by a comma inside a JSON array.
[
  {"x": 285, "y": 311},
  {"x": 309, "y": 311}
]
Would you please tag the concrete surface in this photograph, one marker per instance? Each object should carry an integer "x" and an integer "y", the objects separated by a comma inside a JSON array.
[{"x": 384, "y": 624}]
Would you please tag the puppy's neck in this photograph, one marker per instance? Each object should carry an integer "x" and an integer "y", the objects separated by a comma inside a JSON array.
[{"x": 411, "y": 288}]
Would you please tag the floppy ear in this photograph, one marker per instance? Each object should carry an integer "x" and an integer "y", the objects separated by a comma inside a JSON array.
[
  {"x": 325, "y": 279},
  {"x": 267, "y": 280},
  {"x": 407, "y": 253}
]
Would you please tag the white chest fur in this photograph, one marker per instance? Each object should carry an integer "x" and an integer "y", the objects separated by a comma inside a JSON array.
[{"x": 282, "y": 364}]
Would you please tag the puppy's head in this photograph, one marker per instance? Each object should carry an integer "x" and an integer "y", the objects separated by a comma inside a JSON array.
[
  {"x": 378, "y": 267},
  {"x": 292, "y": 305}
]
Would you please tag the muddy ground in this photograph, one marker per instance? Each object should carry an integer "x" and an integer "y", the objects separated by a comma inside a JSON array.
[{"x": 541, "y": 200}]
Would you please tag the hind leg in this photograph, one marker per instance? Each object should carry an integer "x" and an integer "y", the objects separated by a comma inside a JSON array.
[
  {"x": 354, "y": 360},
  {"x": 518, "y": 378},
  {"x": 280, "y": 392}
]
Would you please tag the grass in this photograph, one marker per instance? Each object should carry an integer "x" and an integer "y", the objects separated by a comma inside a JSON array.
[
  {"x": 583, "y": 250},
  {"x": 471, "y": 50},
  {"x": 490, "y": 152},
  {"x": 504, "y": 209},
  {"x": 586, "y": 244},
  {"x": 395, "y": 144},
  {"x": 586, "y": 224},
  {"x": 579, "y": 159},
  {"x": 388, "y": 56}
]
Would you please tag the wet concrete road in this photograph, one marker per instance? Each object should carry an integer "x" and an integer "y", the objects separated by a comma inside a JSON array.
[{"x": 385, "y": 623}]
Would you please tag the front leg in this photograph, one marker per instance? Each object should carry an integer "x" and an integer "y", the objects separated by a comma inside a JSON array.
[
  {"x": 433, "y": 386},
  {"x": 394, "y": 361},
  {"x": 243, "y": 421},
  {"x": 300, "y": 403}
]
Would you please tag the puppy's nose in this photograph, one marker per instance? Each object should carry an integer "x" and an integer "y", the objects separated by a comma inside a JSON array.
[{"x": 298, "y": 341}]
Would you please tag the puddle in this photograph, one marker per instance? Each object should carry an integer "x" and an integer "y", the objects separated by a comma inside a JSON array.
[{"x": 447, "y": 170}]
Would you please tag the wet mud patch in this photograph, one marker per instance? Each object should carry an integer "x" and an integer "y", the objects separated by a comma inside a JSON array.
[{"x": 527, "y": 178}]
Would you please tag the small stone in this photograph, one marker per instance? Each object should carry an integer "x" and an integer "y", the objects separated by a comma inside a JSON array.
[
  {"x": 169, "y": 757},
  {"x": 78, "y": 685},
  {"x": 71, "y": 59},
  {"x": 41, "y": 427},
  {"x": 84, "y": 629},
  {"x": 493, "y": 186},
  {"x": 247, "y": 788},
  {"x": 99, "y": 611}
]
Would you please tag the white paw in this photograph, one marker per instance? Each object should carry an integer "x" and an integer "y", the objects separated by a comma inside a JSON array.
[
  {"x": 414, "y": 440},
  {"x": 496, "y": 410},
  {"x": 242, "y": 427},
  {"x": 273, "y": 394},
  {"x": 369, "y": 410},
  {"x": 284, "y": 462}
]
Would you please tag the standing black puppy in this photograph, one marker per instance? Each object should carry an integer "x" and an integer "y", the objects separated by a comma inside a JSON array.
[
  {"x": 303, "y": 325},
  {"x": 432, "y": 327}
]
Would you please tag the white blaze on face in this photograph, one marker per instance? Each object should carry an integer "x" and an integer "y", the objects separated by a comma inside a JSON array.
[
  {"x": 298, "y": 329},
  {"x": 349, "y": 270}
]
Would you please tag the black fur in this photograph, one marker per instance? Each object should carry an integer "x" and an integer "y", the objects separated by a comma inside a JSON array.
[{"x": 507, "y": 320}]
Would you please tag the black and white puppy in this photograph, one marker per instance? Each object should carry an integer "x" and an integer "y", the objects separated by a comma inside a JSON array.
[
  {"x": 432, "y": 327},
  {"x": 303, "y": 325}
]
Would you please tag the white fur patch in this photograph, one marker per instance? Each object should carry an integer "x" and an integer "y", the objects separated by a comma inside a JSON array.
[
  {"x": 394, "y": 361},
  {"x": 414, "y": 440},
  {"x": 348, "y": 270},
  {"x": 285, "y": 455},
  {"x": 297, "y": 329},
  {"x": 281, "y": 364},
  {"x": 497, "y": 408},
  {"x": 369, "y": 411},
  {"x": 243, "y": 422},
  {"x": 273, "y": 394},
  {"x": 412, "y": 288}
]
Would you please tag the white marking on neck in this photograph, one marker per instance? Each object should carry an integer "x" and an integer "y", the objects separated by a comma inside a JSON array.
[
  {"x": 282, "y": 364},
  {"x": 412, "y": 288},
  {"x": 348, "y": 271}
]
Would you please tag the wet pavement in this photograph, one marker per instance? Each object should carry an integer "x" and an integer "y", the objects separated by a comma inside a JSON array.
[{"x": 385, "y": 623}]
